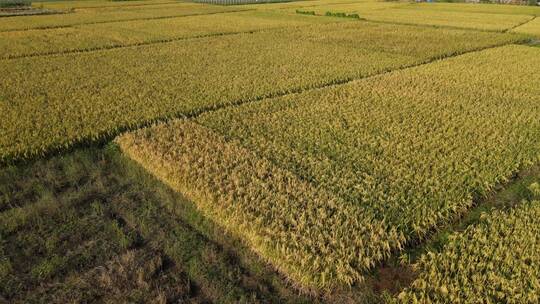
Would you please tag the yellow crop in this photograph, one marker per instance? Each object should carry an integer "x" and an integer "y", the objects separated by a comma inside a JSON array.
[
  {"x": 107, "y": 35},
  {"x": 496, "y": 261},
  {"x": 532, "y": 28},
  {"x": 108, "y": 14},
  {"x": 53, "y": 102},
  {"x": 399, "y": 153},
  {"x": 479, "y": 8},
  {"x": 461, "y": 16}
]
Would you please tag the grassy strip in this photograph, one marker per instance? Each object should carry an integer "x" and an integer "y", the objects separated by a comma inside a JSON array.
[
  {"x": 305, "y": 12},
  {"x": 115, "y": 96},
  {"x": 342, "y": 15},
  {"x": 56, "y": 244},
  {"x": 142, "y": 275}
]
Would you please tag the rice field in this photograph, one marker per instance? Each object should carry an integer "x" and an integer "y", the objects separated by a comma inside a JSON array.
[
  {"x": 115, "y": 97},
  {"x": 108, "y": 15},
  {"x": 316, "y": 151},
  {"x": 496, "y": 261},
  {"x": 531, "y": 28},
  {"x": 132, "y": 33},
  {"x": 479, "y": 17},
  {"x": 364, "y": 145}
]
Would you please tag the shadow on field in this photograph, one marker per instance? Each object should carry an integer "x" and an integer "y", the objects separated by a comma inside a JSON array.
[{"x": 91, "y": 226}]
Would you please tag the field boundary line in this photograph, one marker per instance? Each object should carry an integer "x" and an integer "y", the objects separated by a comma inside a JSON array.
[
  {"x": 493, "y": 201},
  {"x": 118, "y": 21},
  {"x": 523, "y": 23}
]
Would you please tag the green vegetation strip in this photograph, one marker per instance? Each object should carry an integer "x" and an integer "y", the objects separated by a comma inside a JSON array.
[
  {"x": 495, "y": 261},
  {"x": 15, "y": 3},
  {"x": 395, "y": 153},
  {"x": 44, "y": 106}
]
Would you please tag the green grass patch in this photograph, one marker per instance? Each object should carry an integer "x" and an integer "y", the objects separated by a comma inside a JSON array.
[
  {"x": 15, "y": 3},
  {"x": 342, "y": 15},
  {"x": 305, "y": 12}
]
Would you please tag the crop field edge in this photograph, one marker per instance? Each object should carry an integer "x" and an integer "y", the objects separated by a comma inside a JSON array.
[{"x": 505, "y": 196}]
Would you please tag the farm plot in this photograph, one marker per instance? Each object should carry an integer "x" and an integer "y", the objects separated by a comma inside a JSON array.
[
  {"x": 109, "y": 35},
  {"x": 404, "y": 13},
  {"x": 327, "y": 183},
  {"x": 495, "y": 261},
  {"x": 92, "y": 16},
  {"x": 49, "y": 103},
  {"x": 531, "y": 28}
]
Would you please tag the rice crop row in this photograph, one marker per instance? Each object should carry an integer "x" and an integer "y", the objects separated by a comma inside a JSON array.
[
  {"x": 44, "y": 105},
  {"x": 14, "y": 3},
  {"x": 110, "y": 35},
  {"x": 92, "y": 16},
  {"x": 396, "y": 153},
  {"x": 495, "y": 261}
]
